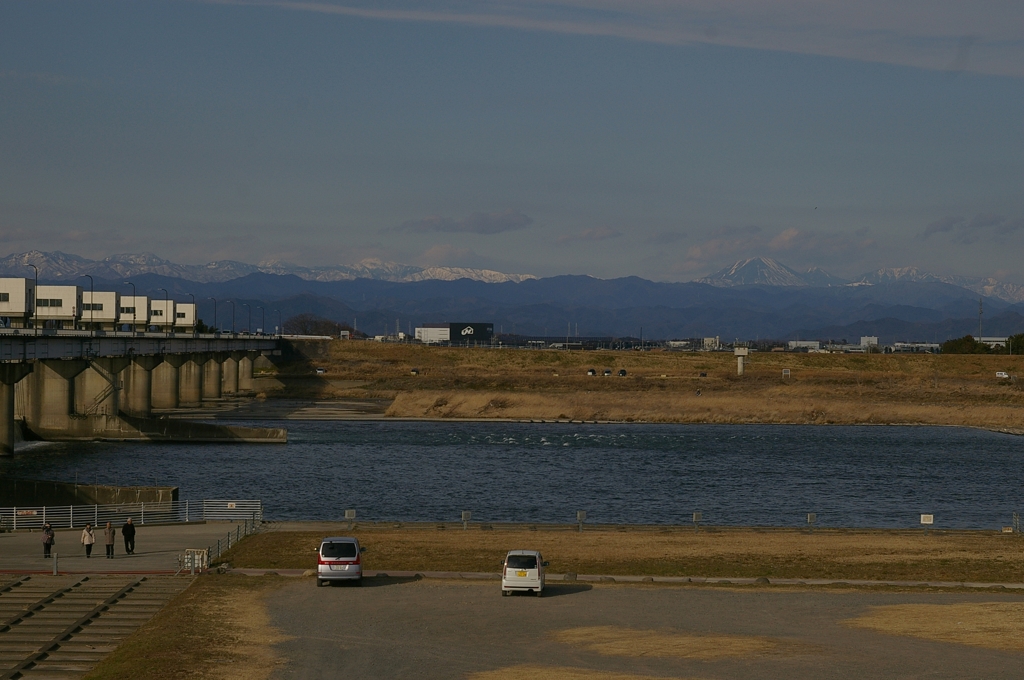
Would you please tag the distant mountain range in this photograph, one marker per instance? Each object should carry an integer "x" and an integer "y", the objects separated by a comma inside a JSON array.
[
  {"x": 763, "y": 271},
  {"x": 753, "y": 299},
  {"x": 58, "y": 266}
]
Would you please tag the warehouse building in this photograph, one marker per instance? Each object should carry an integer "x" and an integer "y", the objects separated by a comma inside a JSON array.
[
  {"x": 58, "y": 307},
  {"x": 466, "y": 334},
  {"x": 17, "y": 302},
  {"x": 100, "y": 310},
  {"x": 134, "y": 313}
]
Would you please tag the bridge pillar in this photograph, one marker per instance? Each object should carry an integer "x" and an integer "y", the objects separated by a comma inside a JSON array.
[
  {"x": 230, "y": 374},
  {"x": 211, "y": 377},
  {"x": 245, "y": 364},
  {"x": 10, "y": 374},
  {"x": 52, "y": 394},
  {"x": 190, "y": 380},
  {"x": 166, "y": 381},
  {"x": 98, "y": 388},
  {"x": 138, "y": 386}
]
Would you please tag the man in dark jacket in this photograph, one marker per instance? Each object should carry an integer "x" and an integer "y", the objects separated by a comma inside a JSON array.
[
  {"x": 48, "y": 539},
  {"x": 128, "y": 532}
]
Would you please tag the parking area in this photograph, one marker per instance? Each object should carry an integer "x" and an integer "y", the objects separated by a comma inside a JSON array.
[{"x": 409, "y": 628}]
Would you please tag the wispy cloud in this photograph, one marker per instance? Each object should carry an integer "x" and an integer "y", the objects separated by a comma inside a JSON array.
[
  {"x": 967, "y": 231},
  {"x": 477, "y": 223},
  {"x": 595, "y": 234},
  {"x": 986, "y": 36}
]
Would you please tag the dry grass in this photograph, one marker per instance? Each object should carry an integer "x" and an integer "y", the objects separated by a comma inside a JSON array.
[
  {"x": 558, "y": 673},
  {"x": 218, "y": 629},
  {"x": 548, "y": 384},
  {"x": 994, "y": 625},
  {"x": 880, "y": 555},
  {"x": 616, "y": 641}
]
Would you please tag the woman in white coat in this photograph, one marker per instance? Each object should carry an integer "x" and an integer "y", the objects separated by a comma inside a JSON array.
[{"x": 88, "y": 539}]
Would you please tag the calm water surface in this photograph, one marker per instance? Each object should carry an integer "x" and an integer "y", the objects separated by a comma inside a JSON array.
[{"x": 734, "y": 474}]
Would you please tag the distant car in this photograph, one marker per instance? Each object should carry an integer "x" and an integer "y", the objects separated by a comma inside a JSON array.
[
  {"x": 321, "y": 371},
  {"x": 591, "y": 371},
  {"x": 1002, "y": 374},
  {"x": 339, "y": 558},
  {"x": 607, "y": 371},
  {"x": 622, "y": 373},
  {"x": 523, "y": 571}
]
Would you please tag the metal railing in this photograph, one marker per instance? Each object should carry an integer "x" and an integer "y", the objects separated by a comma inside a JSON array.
[
  {"x": 245, "y": 528},
  {"x": 157, "y": 512}
]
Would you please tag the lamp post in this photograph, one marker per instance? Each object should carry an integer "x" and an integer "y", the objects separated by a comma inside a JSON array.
[
  {"x": 280, "y": 328},
  {"x": 35, "y": 301},
  {"x": 248, "y": 328},
  {"x": 263, "y": 321},
  {"x": 167, "y": 308},
  {"x": 92, "y": 301},
  {"x": 195, "y": 317},
  {"x": 135, "y": 311},
  {"x": 232, "y": 316},
  {"x": 214, "y": 312}
]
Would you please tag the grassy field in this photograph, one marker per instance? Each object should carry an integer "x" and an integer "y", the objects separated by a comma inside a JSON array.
[
  {"x": 217, "y": 628},
  {"x": 664, "y": 386},
  {"x": 875, "y": 555}
]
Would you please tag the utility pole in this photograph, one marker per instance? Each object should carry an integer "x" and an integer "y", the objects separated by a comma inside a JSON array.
[{"x": 981, "y": 310}]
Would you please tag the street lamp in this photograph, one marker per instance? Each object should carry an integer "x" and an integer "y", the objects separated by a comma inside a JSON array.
[
  {"x": 232, "y": 316},
  {"x": 214, "y": 312},
  {"x": 280, "y": 328},
  {"x": 248, "y": 329},
  {"x": 135, "y": 311},
  {"x": 263, "y": 321},
  {"x": 35, "y": 301},
  {"x": 167, "y": 307},
  {"x": 92, "y": 301},
  {"x": 195, "y": 317}
]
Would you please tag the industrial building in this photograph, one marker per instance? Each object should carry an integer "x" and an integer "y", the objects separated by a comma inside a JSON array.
[
  {"x": 467, "y": 333},
  {"x": 100, "y": 310},
  {"x": 17, "y": 302},
  {"x": 58, "y": 306},
  {"x": 134, "y": 312}
]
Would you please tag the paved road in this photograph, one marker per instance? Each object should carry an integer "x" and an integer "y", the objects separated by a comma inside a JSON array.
[
  {"x": 442, "y": 629},
  {"x": 156, "y": 549}
]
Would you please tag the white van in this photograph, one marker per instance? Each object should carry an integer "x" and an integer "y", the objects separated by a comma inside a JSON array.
[
  {"x": 1002, "y": 374},
  {"x": 523, "y": 571}
]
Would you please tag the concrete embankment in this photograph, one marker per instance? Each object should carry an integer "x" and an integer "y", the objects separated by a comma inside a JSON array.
[{"x": 35, "y": 492}]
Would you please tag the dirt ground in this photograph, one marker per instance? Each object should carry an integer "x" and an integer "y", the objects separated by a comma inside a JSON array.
[
  {"x": 666, "y": 551},
  {"x": 661, "y": 386}
]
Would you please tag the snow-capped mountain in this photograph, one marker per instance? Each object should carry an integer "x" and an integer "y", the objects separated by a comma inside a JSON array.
[
  {"x": 763, "y": 271},
  {"x": 56, "y": 266},
  {"x": 986, "y": 286}
]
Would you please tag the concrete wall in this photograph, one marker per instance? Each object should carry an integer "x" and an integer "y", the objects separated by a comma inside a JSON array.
[{"x": 33, "y": 492}]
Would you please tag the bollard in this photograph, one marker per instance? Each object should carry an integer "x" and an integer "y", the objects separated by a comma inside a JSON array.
[
  {"x": 54, "y": 564},
  {"x": 697, "y": 517},
  {"x": 466, "y": 515},
  {"x": 811, "y": 519},
  {"x": 581, "y": 515}
]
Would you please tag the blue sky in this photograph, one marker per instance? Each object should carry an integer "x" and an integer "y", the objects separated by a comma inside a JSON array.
[{"x": 657, "y": 139}]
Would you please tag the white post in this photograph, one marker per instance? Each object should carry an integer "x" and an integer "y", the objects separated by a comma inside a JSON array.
[
  {"x": 15, "y": 518},
  {"x": 143, "y": 521},
  {"x": 71, "y": 522},
  {"x": 186, "y": 512},
  {"x": 95, "y": 514}
]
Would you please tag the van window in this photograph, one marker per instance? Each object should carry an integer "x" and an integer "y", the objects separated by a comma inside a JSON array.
[
  {"x": 338, "y": 549},
  {"x": 522, "y": 562}
]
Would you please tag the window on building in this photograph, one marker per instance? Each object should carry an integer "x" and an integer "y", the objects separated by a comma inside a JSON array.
[
  {"x": 5, "y": 297},
  {"x": 50, "y": 302},
  {"x": 158, "y": 312},
  {"x": 94, "y": 306},
  {"x": 179, "y": 315},
  {"x": 128, "y": 310}
]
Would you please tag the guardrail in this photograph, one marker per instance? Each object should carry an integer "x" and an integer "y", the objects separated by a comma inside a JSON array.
[
  {"x": 166, "y": 512},
  {"x": 245, "y": 528}
]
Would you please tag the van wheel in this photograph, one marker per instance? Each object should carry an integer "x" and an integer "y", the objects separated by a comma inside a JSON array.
[
  {"x": 320, "y": 582},
  {"x": 504, "y": 593},
  {"x": 359, "y": 582},
  {"x": 540, "y": 593}
]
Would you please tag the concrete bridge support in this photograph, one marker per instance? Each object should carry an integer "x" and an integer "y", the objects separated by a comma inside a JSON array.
[
  {"x": 229, "y": 369},
  {"x": 98, "y": 388},
  {"x": 138, "y": 386},
  {"x": 211, "y": 377},
  {"x": 10, "y": 374},
  {"x": 245, "y": 366},
  {"x": 51, "y": 398},
  {"x": 167, "y": 381},
  {"x": 190, "y": 380}
]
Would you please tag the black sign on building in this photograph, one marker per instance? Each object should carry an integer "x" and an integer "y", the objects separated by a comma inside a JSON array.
[{"x": 470, "y": 333}]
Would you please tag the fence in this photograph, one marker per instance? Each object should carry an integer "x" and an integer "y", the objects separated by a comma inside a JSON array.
[
  {"x": 164, "y": 512},
  {"x": 238, "y": 533}
]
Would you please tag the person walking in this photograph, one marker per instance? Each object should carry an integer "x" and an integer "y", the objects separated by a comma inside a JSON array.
[
  {"x": 48, "y": 539},
  {"x": 128, "y": 533},
  {"x": 108, "y": 538},
  {"x": 88, "y": 539}
]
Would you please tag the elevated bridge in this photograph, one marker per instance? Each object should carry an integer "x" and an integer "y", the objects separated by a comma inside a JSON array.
[{"x": 68, "y": 385}]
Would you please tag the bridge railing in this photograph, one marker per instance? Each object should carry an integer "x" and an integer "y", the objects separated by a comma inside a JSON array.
[{"x": 166, "y": 512}]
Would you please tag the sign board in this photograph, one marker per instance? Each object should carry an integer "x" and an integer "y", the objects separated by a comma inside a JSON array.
[
  {"x": 812, "y": 518},
  {"x": 785, "y": 373},
  {"x": 581, "y": 515},
  {"x": 697, "y": 516},
  {"x": 470, "y": 333},
  {"x": 927, "y": 519},
  {"x": 466, "y": 515},
  {"x": 1008, "y": 530},
  {"x": 27, "y": 513},
  {"x": 350, "y": 513},
  {"x": 231, "y": 506},
  {"x": 740, "y": 351}
]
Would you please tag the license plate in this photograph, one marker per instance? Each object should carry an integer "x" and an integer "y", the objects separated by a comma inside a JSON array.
[{"x": 521, "y": 574}]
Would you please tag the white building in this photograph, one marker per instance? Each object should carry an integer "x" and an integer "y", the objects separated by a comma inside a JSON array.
[
  {"x": 434, "y": 333},
  {"x": 161, "y": 314},
  {"x": 184, "y": 316},
  {"x": 100, "y": 310},
  {"x": 134, "y": 312},
  {"x": 868, "y": 341},
  {"x": 809, "y": 345},
  {"x": 17, "y": 302},
  {"x": 712, "y": 344},
  {"x": 59, "y": 306}
]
